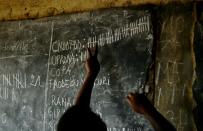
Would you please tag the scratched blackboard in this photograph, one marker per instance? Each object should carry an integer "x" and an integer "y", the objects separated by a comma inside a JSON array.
[{"x": 42, "y": 67}]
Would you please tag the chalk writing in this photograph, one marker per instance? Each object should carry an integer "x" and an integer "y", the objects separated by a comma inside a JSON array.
[
  {"x": 35, "y": 80},
  {"x": 57, "y": 72},
  {"x": 138, "y": 128},
  {"x": 182, "y": 118},
  {"x": 71, "y": 58},
  {"x": 54, "y": 112},
  {"x": 16, "y": 46},
  {"x": 111, "y": 36},
  {"x": 170, "y": 69},
  {"x": 4, "y": 93},
  {"x": 9, "y": 94},
  {"x": 3, "y": 118},
  {"x": 19, "y": 56},
  {"x": 172, "y": 93},
  {"x": 72, "y": 82},
  {"x": 159, "y": 96},
  {"x": 157, "y": 73},
  {"x": 59, "y": 46},
  {"x": 63, "y": 83},
  {"x": 47, "y": 78},
  {"x": 61, "y": 101},
  {"x": 17, "y": 80},
  {"x": 173, "y": 27},
  {"x": 170, "y": 115}
]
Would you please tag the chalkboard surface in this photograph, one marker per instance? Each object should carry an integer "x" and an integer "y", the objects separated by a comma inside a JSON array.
[{"x": 41, "y": 67}]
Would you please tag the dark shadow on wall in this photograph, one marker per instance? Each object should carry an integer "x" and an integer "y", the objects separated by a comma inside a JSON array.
[{"x": 198, "y": 49}]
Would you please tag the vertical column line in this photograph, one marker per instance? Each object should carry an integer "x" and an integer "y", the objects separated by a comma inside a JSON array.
[{"x": 47, "y": 77}]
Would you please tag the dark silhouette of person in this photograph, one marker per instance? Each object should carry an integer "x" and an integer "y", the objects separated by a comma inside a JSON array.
[{"x": 80, "y": 116}]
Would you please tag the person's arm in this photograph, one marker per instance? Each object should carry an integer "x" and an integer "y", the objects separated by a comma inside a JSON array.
[
  {"x": 140, "y": 104},
  {"x": 92, "y": 67}
]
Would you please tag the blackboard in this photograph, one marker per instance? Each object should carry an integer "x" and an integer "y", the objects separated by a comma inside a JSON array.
[{"x": 42, "y": 67}]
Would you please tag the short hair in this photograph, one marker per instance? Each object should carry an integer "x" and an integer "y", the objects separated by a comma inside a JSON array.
[{"x": 77, "y": 118}]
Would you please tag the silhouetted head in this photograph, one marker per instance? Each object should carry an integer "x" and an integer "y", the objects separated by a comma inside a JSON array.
[{"x": 80, "y": 119}]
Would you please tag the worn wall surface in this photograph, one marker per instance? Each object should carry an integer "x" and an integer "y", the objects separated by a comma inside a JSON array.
[
  {"x": 175, "y": 65},
  {"x": 22, "y": 9}
]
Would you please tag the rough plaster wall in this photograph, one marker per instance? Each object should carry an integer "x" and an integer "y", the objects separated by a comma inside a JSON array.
[
  {"x": 23, "y": 9},
  {"x": 175, "y": 65}
]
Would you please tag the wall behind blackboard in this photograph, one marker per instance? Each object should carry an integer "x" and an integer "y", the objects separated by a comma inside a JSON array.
[
  {"x": 41, "y": 67},
  {"x": 174, "y": 65}
]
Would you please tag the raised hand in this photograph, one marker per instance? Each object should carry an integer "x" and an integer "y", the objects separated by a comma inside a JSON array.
[
  {"x": 139, "y": 102},
  {"x": 92, "y": 65}
]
